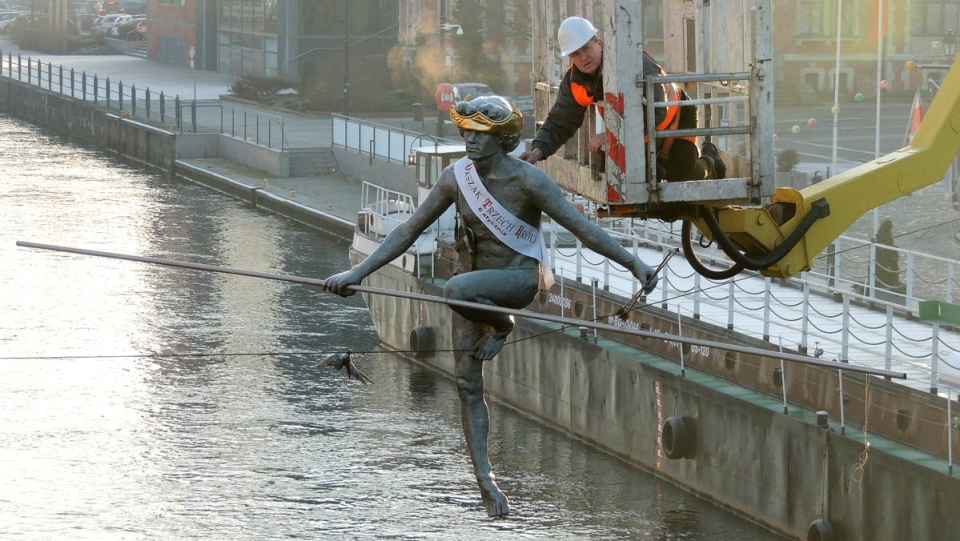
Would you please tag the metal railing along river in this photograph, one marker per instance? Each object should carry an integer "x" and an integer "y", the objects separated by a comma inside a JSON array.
[
  {"x": 380, "y": 141},
  {"x": 172, "y": 112}
]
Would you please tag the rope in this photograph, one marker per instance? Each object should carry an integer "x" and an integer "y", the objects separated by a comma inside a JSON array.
[{"x": 860, "y": 468}]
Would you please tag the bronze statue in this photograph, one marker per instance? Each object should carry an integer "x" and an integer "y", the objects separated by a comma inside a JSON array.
[{"x": 500, "y": 201}]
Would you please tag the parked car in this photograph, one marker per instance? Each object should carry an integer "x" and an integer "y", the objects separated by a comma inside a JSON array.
[
  {"x": 130, "y": 7},
  {"x": 525, "y": 104},
  {"x": 103, "y": 23},
  {"x": 473, "y": 90},
  {"x": 7, "y": 19},
  {"x": 132, "y": 29}
]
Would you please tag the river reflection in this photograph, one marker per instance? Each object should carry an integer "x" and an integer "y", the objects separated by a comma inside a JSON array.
[{"x": 143, "y": 402}]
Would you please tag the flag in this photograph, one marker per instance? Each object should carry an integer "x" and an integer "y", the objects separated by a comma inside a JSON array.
[
  {"x": 916, "y": 116},
  {"x": 879, "y": 19}
]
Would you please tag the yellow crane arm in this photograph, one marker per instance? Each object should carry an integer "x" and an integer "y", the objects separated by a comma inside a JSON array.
[{"x": 762, "y": 234}]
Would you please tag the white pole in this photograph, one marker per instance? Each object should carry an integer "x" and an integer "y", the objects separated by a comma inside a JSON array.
[
  {"x": 836, "y": 88},
  {"x": 876, "y": 151}
]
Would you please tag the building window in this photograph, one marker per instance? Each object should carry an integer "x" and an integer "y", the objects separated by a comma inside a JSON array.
[
  {"x": 818, "y": 18},
  {"x": 932, "y": 18},
  {"x": 652, "y": 21},
  {"x": 256, "y": 16}
]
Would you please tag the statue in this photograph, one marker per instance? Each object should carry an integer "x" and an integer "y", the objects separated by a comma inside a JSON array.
[{"x": 500, "y": 201}]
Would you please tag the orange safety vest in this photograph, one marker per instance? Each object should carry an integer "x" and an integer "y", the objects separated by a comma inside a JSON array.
[{"x": 672, "y": 120}]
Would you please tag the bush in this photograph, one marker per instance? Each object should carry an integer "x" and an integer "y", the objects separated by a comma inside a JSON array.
[
  {"x": 259, "y": 88},
  {"x": 787, "y": 160},
  {"x": 39, "y": 36},
  {"x": 887, "y": 265},
  {"x": 128, "y": 32}
]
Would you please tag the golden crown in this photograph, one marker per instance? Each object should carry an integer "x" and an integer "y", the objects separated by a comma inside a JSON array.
[{"x": 492, "y": 114}]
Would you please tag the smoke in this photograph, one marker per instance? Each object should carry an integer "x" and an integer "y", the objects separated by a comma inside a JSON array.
[{"x": 420, "y": 69}]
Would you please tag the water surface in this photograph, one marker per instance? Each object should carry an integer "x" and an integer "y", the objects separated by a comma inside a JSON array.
[{"x": 144, "y": 402}]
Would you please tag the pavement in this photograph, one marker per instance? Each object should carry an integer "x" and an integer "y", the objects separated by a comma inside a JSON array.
[{"x": 333, "y": 198}]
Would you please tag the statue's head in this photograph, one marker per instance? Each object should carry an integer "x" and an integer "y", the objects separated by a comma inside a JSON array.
[{"x": 490, "y": 114}]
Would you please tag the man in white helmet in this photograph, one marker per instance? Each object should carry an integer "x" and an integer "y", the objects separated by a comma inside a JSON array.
[{"x": 678, "y": 157}]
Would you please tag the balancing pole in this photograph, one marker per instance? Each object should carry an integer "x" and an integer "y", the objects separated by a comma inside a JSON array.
[{"x": 467, "y": 304}]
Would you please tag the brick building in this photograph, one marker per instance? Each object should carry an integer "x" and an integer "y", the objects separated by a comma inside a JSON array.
[{"x": 436, "y": 41}]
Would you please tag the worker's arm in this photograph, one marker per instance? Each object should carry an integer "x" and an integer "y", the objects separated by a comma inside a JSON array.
[{"x": 564, "y": 119}]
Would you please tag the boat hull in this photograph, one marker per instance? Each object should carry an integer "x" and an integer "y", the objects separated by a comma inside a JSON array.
[{"x": 732, "y": 445}]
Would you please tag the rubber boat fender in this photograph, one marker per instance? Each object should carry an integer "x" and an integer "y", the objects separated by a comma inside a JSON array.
[
  {"x": 422, "y": 341},
  {"x": 679, "y": 437},
  {"x": 820, "y": 530}
]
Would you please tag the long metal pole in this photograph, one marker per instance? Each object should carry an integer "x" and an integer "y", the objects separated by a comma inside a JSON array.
[
  {"x": 442, "y": 20},
  {"x": 466, "y": 304},
  {"x": 346, "y": 58},
  {"x": 836, "y": 88},
  {"x": 876, "y": 148}
]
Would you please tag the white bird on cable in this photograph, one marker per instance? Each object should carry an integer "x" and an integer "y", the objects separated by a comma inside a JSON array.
[{"x": 342, "y": 359}]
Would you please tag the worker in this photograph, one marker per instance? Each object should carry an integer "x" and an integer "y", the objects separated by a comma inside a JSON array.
[{"x": 677, "y": 157}]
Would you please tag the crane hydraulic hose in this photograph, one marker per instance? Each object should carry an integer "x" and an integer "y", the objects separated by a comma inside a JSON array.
[
  {"x": 818, "y": 209},
  {"x": 700, "y": 268}
]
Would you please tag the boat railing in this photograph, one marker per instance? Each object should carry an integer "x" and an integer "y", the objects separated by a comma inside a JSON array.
[
  {"x": 803, "y": 314},
  {"x": 846, "y": 395},
  {"x": 841, "y": 312}
]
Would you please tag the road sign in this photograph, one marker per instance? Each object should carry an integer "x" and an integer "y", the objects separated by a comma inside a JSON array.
[{"x": 444, "y": 96}]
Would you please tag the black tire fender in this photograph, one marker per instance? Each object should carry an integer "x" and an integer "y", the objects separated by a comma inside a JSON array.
[
  {"x": 820, "y": 530},
  {"x": 422, "y": 341},
  {"x": 677, "y": 436}
]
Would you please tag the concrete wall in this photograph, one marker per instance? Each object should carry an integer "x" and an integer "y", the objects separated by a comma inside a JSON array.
[
  {"x": 391, "y": 175},
  {"x": 191, "y": 146},
  {"x": 90, "y": 123},
  {"x": 270, "y": 160}
]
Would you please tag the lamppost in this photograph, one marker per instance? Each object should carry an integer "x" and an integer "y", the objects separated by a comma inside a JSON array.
[
  {"x": 346, "y": 60},
  {"x": 346, "y": 53},
  {"x": 444, "y": 28},
  {"x": 412, "y": 156},
  {"x": 443, "y": 51}
]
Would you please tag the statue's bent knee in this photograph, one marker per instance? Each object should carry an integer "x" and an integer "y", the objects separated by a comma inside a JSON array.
[{"x": 469, "y": 387}]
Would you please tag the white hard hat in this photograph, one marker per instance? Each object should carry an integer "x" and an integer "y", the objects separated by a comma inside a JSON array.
[{"x": 574, "y": 33}]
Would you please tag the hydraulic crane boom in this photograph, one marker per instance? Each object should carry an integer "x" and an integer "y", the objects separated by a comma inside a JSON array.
[
  {"x": 776, "y": 231},
  {"x": 759, "y": 237}
]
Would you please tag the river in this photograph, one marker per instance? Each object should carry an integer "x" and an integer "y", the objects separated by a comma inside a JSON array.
[{"x": 145, "y": 402}]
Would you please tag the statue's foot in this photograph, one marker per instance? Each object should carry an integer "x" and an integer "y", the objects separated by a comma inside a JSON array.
[
  {"x": 494, "y": 500},
  {"x": 489, "y": 345}
]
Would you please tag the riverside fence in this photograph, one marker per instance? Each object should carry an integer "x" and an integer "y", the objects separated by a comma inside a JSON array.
[{"x": 157, "y": 107}]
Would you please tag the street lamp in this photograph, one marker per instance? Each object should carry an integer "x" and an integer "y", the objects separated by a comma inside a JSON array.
[
  {"x": 346, "y": 60},
  {"x": 444, "y": 28},
  {"x": 412, "y": 156},
  {"x": 449, "y": 27}
]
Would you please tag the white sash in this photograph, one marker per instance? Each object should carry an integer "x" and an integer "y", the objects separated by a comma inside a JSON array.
[{"x": 512, "y": 231}]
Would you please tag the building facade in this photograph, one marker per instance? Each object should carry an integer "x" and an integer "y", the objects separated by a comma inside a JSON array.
[
  {"x": 897, "y": 31},
  {"x": 331, "y": 43},
  {"x": 353, "y": 47}
]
